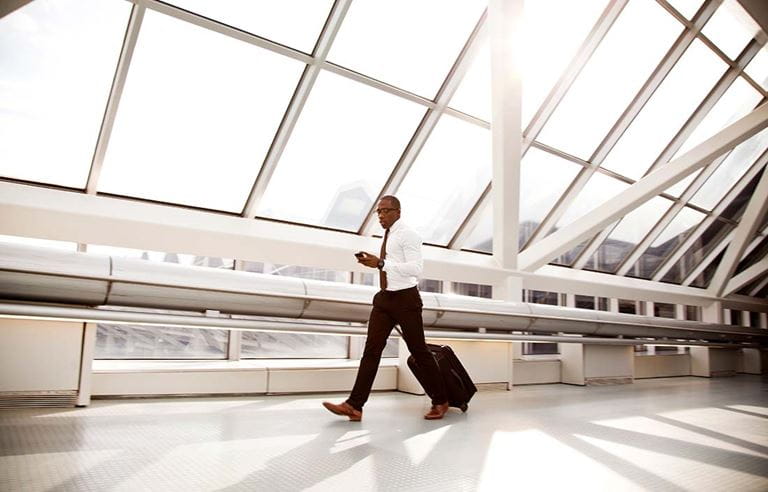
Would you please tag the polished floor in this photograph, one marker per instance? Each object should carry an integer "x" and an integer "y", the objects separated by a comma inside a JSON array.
[{"x": 659, "y": 434}]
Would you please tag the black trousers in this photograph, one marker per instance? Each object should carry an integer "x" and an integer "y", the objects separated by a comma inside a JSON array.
[{"x": 402, "y": 307}]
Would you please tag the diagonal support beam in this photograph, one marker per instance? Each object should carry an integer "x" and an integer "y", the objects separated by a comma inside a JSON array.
[
  {"x": 651, "y": 185},
  {"x": 747, "y": 276},
  {"x": 748, "y": 225},
  {"x": 300, "y": 96}
]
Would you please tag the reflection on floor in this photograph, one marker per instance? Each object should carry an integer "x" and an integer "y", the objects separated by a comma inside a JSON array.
[{"x": 662, "y": 434}]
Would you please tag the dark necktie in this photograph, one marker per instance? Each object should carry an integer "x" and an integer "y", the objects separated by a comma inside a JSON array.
[{"x": 382, "y": 256}]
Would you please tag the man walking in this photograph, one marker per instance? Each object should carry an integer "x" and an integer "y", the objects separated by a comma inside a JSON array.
[{"x": 398, "y": 302}]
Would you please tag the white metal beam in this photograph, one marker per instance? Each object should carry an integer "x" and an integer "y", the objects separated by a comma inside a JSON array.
[
  {"x": 708, "y": 258},
  {"x": 651, "y": 185},
  {"x": 625, "y": 120},
  {"x": 505, "y": 18},
  {"x": 428, "y": 123},
  {"x": 33, "y": 211},
  {"x": 717, "y": 211},
  {"x": 548, "y": 106},
  {"x": 300, "y": 95},
  {"x": 747, "y": 276},
  {"x": 760, "y": 286},
  {"x": 115, "y": 93},
  {"x": 745, "y": 231}
]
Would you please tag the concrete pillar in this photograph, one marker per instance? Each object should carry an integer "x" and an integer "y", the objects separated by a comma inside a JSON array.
[
  {"x": 745, "y": 318},
  {"x": 510, "y": 289},
  {"x": 752, "y": 361},
  {"x": 714, "y": 362},
  {"x": 726, "y": 317},
  {"x": 712, "y": 312},
  {"x": 613, "y": 305},
  {"x": 763, "y": 320},
  {"x": 589, "y": 364}
]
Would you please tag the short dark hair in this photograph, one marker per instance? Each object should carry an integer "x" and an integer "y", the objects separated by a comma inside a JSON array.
[{"x": 393, "y": 199}]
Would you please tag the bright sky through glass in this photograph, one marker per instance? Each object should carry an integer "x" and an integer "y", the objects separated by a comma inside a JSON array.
[
  {"x": 405, "y": 43},
  {"x": 597, "y": 191},
  {"x": 204, "y": 121},
  {"x": 57, "y": 61},
  {"x": 344, "y": 146},
  {"x": 730, "y": 28},
  {"x": 294, "y": 23},
  {"x": 664, "y": 114},
  {"x": 544, "y": 56},
  {"x": 447, "y": 178},
  {"x": 613, "y": 76}
]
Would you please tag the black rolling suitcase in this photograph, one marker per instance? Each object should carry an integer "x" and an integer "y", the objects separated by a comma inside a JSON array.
[{"x": 458, "y": 384}]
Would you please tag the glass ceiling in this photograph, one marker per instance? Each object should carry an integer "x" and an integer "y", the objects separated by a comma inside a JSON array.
[{"x": 196, "y": 109}]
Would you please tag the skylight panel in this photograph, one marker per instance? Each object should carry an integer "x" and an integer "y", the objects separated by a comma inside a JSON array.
[{"x": 198, "y": 114}]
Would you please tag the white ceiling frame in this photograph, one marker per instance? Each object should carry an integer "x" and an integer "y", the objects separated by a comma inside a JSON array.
[
  {"x": 756, "y": 290},
  {"x": 735, "y": 190},
  {"x": 295, "y": 107},
  {"x": 745, "y": 231},
  {"x": 34, "y": 211},
  {"x": 656, "y": 78},
  {"x": 710, "y": 257},
  {"x": 674, "y": 146},
  {"x": 115, "y": 93},
  {"x": 548, "y": 106},
  {"x": 428, "y": 123},
  {"x": 646, "y": 188},
  {"x": 747, "y": 276}
]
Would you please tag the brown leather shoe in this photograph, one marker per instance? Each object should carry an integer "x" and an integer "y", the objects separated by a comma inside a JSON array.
[
  {"x": 437, "y": 411},
  {"x": 345, "y": 409}
]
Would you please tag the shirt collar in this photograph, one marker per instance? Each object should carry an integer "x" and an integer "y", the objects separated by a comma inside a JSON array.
[{"x": 396, "y": 226}]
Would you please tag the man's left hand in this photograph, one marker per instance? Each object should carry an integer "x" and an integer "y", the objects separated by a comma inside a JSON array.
[{"x": 369, "y": 260}]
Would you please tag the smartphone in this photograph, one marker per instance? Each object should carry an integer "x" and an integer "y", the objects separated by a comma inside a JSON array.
[{"x": 359, "y": 255}]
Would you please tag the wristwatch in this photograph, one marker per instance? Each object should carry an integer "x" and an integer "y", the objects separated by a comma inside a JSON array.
[{"x": 380, "y": 264}]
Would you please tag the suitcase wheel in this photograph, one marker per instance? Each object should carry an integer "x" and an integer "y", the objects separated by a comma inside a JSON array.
[{"x": 464, "y": 408}]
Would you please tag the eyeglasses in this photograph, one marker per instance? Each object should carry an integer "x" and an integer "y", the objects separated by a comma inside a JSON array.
[{"x": 380, "y": 211}]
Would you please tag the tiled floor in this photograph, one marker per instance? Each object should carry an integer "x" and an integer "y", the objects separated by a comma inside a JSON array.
[{"x": 661, "y": 434}]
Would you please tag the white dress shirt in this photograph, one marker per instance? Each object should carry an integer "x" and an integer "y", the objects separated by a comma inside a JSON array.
[{"x": 403, "y": 263}]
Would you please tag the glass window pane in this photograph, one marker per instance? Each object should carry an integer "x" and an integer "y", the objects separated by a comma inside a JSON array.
[
  {"x": 294, "y": 23},
  {"x": 474, "y": 290},
  {"x": 612, "y": 77},
  {"x": 411, "y": 45},
  {"x": 627, "y": 307},
  {"x": 663, "y": 310},
  {"x": 159, "y": 342},
  {"x": 274, "y": 345},
  {"x": 544, "y": 56},
  {"x": 198, "y": 114},
  {"x": 584, "y": 302},
  {"x": 450, "y": 173},
  {"x": 543, "y": 179},
  {"x": 481, "y": 238},
  {"x": 758, "y": 67},
  {"x": 686, "y": 7},
  {"x": 674, "y": 234},
  {"x": 57, "y": 61},
  {"x": 698, "y": 251},
  {"x": 739, "y": 100},
  {"x": 180, "y": 258},
  {"x": 665, "y": 113},
  {"x": 731, "y": 28},
  {"x": 630, "y": 231},
  {"x": 599, "y": 189},
  {"x": 705, "y": 277},
  {"x": 730, "y": 170},
  {"x": 343, "y": 148}
]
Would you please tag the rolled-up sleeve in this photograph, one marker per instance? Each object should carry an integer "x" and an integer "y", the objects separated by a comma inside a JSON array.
[{"x": 414, "y": 263}]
